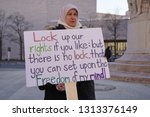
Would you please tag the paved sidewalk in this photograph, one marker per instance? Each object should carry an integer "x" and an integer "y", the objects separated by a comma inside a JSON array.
[{"x": 12, "y": 87}]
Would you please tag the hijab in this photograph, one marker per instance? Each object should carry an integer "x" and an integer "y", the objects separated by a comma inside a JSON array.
[{"x": 63, "y": 14}]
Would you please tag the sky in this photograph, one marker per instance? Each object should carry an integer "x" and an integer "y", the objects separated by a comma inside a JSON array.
[{"x": 112, "y": 6}]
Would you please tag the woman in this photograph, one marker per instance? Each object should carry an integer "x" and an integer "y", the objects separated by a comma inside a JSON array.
[{"x": 69, "y": 20}]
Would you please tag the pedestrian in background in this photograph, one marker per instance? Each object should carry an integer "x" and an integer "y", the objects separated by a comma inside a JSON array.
[{"x": 108, "y": 54}]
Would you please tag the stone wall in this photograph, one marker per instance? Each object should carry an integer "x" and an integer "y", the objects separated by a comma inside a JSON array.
[{"x": 41, "y": 13}]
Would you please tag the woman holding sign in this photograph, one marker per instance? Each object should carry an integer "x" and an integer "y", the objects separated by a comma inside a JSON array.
[{"x": 85, "y": 90}]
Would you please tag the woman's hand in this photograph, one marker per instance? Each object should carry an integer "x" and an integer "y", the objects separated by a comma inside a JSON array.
[{"x": 60, "y": 87}]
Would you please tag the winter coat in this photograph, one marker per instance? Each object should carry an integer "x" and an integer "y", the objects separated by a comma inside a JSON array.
[
  {"x": 108, "y": 53},
  {"x": 85, "y": 89}
]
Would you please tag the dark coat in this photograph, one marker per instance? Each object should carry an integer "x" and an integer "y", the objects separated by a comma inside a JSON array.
[
  {"x": 85, "y": 89},
  {"x": 108, "y": 53}
]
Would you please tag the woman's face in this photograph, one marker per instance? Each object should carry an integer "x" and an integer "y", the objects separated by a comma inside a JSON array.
[{"x": 71, "y": 17}]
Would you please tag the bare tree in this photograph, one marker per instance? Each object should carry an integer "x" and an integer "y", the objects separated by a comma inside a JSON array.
[
  {"x": 112, "y": 23},
  {"x": 17, "y": 25},
  {"x": 90, "y": 21},
  {"x": 3, "y": 25}
]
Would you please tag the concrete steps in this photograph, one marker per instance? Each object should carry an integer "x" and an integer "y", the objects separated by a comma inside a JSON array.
[
  {"x": 130, "y": 77},
  {"x": 136, "y": 68},
  {"x": 130, "y": 72}
]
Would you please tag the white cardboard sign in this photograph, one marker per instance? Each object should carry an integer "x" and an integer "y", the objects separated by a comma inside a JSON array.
[{"x": 63, "y": 56}]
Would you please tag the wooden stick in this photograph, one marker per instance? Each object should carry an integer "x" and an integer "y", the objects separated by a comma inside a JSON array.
[{"x": 71, "y": 91}]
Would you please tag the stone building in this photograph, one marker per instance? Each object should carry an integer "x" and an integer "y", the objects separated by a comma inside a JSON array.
[{"x": 41, "y": 13}]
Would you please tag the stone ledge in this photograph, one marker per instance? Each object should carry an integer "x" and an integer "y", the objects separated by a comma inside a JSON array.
[
  {"x": 136, "y": 68},
  {"x": 130, "y": 77},
  {"x": 134, "y": 58}
]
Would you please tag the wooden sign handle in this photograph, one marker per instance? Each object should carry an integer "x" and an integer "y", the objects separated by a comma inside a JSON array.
[{"x": 71, "y": 91}]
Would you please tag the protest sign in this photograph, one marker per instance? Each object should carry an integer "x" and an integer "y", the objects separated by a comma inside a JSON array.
[{"x": 63, "y": 56}]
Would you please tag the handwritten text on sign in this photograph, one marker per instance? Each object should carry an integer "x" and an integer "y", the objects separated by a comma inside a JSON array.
[{"x": 58, "y": 56}]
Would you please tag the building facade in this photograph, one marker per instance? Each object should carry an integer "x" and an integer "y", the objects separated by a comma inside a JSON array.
[{"x": 40, "y": 13}]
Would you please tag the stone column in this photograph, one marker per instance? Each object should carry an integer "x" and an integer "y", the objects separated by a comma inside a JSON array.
[
  {"x": 138, "y": 38},
  {"x": 134, "y": 65}
]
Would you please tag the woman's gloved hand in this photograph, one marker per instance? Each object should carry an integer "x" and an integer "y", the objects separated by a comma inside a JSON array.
[{"x": 60, "y": 87}]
